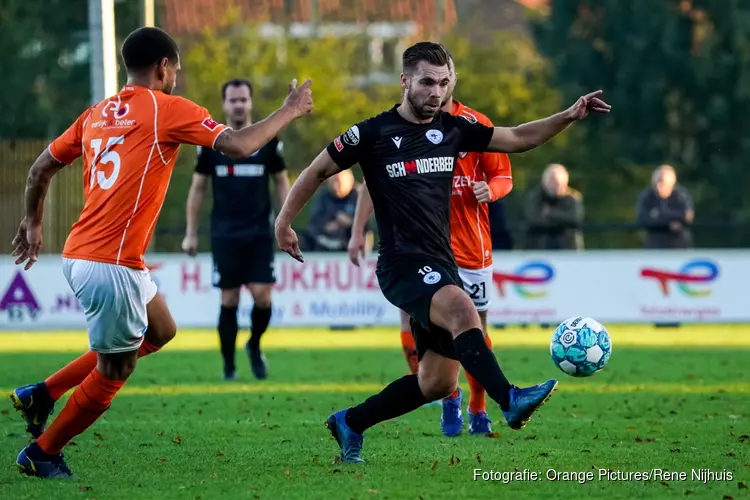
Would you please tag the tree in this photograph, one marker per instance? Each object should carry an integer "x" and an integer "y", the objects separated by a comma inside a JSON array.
[
  {"x": 677, "y": 74},
  {"x": 44, "y": 60}
]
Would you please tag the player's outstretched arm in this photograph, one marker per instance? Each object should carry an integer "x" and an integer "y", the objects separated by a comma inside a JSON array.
[
  {"x": 534, "y": 134},
  {"x": 302, "y": 190},
  {"x": 28, "y": 240},
  {"x": 244, "y": 142},
  {"x": 362, "y": 213}
]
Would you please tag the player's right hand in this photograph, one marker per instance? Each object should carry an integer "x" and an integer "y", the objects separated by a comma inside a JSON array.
[
  {"x": 299, "y": 99},
  {"x": 356, "y": 248},
  {"x": 27, "y": 243},
  {"x": 587, "y": 103},
  {"x": 190, "y": 245},
  {"x": 288, "y": 241}
]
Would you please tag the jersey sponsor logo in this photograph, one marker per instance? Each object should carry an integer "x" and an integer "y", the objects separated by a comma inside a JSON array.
[
  {"x": 422, "y": 166},
  {"x": 397, "y": 142},
  {"x": 460, "y": 182},
  {"x": 210, "y": 123},
  {"x": 462, "y": 155},
  {"x": 241, "y": 170},
  {"x": 351, "y": 137},
  {"x": 115, "y": 107},
  {"x": 113, "y": 123},
  {"x": 434, "y": 136},
  {"x": 337, "y": 144}
]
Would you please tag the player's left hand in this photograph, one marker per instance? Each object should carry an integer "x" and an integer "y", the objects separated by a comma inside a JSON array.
[
  {"x": 288, "y": 241},
  {"x": 27, "y": 243},
  {"x": 356, "y": 248},
  {"x": 482, "y": 192},
  {"x": 585, "y": 104}
]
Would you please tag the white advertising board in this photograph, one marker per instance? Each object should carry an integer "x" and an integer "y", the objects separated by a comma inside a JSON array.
[{"x": 527, "y": 287}]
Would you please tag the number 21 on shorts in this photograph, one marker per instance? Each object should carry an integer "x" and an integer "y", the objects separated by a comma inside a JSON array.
[{"x": 107, "y": 156}]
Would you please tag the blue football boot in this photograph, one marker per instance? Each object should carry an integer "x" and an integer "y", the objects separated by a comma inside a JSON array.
[
  {"x": 349, "y": 441},
  {"x": 524, "y": 402},
  {"x": 32, "y": 461},
  {"x": 35, "y": 405},
  {"x": 479, "y": 424},
  {"x": 452, "y": 420}
]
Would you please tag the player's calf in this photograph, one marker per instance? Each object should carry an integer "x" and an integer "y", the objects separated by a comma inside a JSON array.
[
  {"x": 438, "y": 379},
  {"x": 438, "y": 376}
]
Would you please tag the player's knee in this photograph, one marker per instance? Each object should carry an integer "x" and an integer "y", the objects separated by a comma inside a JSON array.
[
  {"x": 161, "y": 331},
  {"x": 167, "y": 332},
  {"x": 230, "y": 298},
  {"x": 456, "y": 311},
  {"x": 262, "y": 299},
  {"x": 434, "y": 388}
]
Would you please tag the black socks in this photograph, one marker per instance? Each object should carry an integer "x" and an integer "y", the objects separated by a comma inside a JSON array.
[
  {"x": 479, "y": 361},
  {"x": 228, "y": 337},
  {"x": 398, "y": 398},
  {"x": 259, "y": 319}
]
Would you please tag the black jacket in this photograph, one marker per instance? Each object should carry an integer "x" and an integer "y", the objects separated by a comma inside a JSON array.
[
  {"x": 655, "y": 214},
  {"x": 553, "y": 223}
]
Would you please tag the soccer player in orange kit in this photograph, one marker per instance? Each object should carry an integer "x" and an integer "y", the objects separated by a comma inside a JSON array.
[
  {"x": 479, "y": 178},
  {"x": 129, "y": 143}
]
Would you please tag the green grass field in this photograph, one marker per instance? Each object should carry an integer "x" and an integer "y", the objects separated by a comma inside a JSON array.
[{"x": 671, "y": 399}]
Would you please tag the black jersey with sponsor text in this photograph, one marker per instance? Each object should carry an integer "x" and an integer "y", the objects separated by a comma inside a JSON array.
[
  {"x": 241, "y": 196},
  {"x": 408, "y": 168}
]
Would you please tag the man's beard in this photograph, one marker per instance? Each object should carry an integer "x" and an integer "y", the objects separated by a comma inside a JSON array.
[
  {"x": 420, "y": 111},
  {"x": 240, "y": 120}
]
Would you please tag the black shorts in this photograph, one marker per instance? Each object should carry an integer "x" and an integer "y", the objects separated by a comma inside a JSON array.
[
  {"x": 409, "y": 284},
  {"x": 242, "y": 262}
]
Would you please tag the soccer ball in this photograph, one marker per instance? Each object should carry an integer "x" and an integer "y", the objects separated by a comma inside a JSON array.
[{"x": 580, "y": 346}]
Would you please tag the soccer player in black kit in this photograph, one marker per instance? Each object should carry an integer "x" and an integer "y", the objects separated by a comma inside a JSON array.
[
  {"x": 241, "y": 239},
  {"x": 407, "y": 156}
]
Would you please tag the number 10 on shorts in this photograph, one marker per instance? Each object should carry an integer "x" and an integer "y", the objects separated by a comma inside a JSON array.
[{"x": 430, "y": 277}]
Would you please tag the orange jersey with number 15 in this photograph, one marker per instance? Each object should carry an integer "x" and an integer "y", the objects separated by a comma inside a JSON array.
[
  {"x": 129, "y": 145},
  {"x": 470, "y": 223}
]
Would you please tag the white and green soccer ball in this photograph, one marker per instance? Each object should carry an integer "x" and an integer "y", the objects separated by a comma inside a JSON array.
[{"x": 580, "y": 346}]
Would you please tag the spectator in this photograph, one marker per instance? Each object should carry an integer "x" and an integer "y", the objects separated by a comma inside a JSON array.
[
  {"x": 332, "y": 215},
  {"x": 665, "y": 211},
  {"x": 554, "y": 213}
]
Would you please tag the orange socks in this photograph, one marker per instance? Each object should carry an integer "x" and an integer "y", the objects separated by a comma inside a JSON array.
[
  {"x": 71, "y": 375},
  {"x": 477, "y": 400},
  {"x": 410, "y": 350},
  {"x": 147, "y": 348},
  {"x": 74, "y": 372},
  {"x": 88, "y": 402}
]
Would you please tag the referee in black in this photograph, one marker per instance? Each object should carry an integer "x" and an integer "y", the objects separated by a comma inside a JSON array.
[{"x": 241, "y": 236}]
